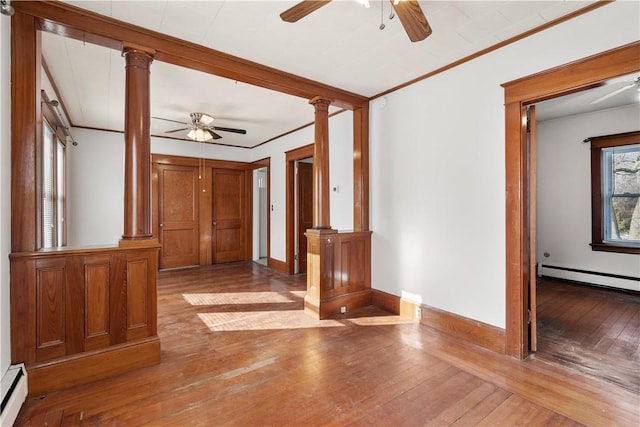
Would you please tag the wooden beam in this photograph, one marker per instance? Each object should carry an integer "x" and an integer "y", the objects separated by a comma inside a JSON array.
[{"x": 70, "y": 21}]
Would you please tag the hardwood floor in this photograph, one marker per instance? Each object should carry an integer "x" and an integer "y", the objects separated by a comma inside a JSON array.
[
  {"x": 237, "y": 349},
  {"x": 594, "y": 330}
]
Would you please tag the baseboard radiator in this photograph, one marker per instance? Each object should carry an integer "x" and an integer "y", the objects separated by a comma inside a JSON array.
[
  {"x": 590, "y": 277},
  {"x": 14, "y": 393}
]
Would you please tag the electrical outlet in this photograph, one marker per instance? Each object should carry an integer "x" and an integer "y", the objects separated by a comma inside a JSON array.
[
  {"x": 418, "y": 313},
  {"x": 343, "y": 309}
]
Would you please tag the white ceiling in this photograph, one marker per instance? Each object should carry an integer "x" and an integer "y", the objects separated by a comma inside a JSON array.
[{"x": 340, "y": 45}]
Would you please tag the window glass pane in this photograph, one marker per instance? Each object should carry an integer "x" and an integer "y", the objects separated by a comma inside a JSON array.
[
  {"x": 621, "y": 193},
  {"x": 60, "y": 192},
  {"x": 625, "y": 218},
  {"x": 48, "y": 204},
  {"x": 626, "y": 170}
]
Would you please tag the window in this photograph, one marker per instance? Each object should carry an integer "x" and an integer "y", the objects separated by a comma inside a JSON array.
[
  {"x": 615, "y": 192},
  {"x": 52, "y": 182}
]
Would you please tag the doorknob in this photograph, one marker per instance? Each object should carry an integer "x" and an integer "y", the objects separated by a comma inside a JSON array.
[
  {"x": 161, "y": 225},
  {"x": 214, "y": 223}
]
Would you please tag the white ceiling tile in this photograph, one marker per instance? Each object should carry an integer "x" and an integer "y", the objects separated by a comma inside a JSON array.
[
  {"x": 518, "y": 28},
  {"x": 483, "y": 26},
  {"x": 147, "y": 14},
  {"x": 517, "y": 11},
  {"x": 475, "y": 9},
  {"x": 103, "y": 7},
  {"x": 553, "y": 10}
]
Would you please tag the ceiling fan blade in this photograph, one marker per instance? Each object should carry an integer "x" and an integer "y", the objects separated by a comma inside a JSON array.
[
  {"x": 177, "y": 130},
  {"x": 169, "y": 120},
  {"x": 213, "y": 134},
  {"x": 302, "y": 9},
  {"x": 242, "y": 131},
  {"x": 614, "y": 93},
  {"x": 412, "y": 19}
]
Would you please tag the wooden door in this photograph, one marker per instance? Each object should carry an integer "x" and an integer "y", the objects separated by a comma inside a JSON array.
[
  {"x": 305, "y": 211},
  {"x": 178, "y": 216},
  {"x": 531, "y": 187},
  {"x": 228, "y": 219}
]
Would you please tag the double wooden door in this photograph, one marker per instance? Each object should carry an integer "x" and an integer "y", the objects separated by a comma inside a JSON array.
[{"x": 202, "y": 215}]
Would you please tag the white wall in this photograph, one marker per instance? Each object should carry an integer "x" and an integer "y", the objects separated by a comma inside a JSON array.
[
  {"x": 5, "y": 191},
  {"x": 95, "y": 181},
  {"x": 95, "y": 178},
  {"x": 340, "y": 174},
  {"x": 564, "y": 197},
  {"x": 437, "y": 168}
]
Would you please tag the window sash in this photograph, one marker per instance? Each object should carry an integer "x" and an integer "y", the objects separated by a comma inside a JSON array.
[{"x": 606, "y": 196}]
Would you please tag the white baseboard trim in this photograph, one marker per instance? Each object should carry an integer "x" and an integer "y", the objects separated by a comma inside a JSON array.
[{"x": 14, "y": 393}]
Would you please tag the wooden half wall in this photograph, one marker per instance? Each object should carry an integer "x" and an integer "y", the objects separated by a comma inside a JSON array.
[{"x": 82, "y": 315}]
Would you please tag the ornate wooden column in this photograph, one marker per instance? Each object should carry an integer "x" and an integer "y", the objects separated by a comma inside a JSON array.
[
  {"x": 318, "y": 259},
  {"x": 137, "y": 145},
  {"x": 321, "y": 164}
]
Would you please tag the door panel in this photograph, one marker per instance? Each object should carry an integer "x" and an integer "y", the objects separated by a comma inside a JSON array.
[
  {"x": 178, "y": 216},
  {"x": 228, "y": 215},
  {"x": 305, "y": 211}
]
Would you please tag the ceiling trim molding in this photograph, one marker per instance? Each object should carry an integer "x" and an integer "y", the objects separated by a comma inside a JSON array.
[
  {"x": 497, "y": 46},
  {"x": 70, "y": 21}
]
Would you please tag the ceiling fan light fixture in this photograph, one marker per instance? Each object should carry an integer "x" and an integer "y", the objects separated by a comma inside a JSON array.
[
  {"x": 365, "y": 3},
  {"x": 200, "y": 135}
]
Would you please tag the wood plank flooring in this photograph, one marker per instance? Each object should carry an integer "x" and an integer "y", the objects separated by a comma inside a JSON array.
[
  {"x": 594, "y": 330},
  {"x": 237, "y": 349}
]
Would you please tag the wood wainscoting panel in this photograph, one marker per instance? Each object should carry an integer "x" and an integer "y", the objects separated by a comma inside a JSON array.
[
  {"x": 96, "y": 301},
  {"x": 72, "y": 308},
  {"x": 136, "y": 297},
  {"x": 339, "y": 271},
  {"x": 50, "y": 308}
]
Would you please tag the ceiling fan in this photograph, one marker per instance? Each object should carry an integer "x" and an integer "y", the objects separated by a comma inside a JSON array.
[
  {"x": 409, "y": 12},
  {"x": 201, "y": 127},
  {"x": 627, "y": 85}
]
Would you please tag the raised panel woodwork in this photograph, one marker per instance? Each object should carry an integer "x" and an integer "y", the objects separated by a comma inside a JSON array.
[
  {"x": 96, "y": 301},
  {"x": 178, "y": 216},
  {"x": 136, "y": 295},
  {"x": 229, "y": 215},
  {"x": 339, "y": 273},
  {"x": 50, "y": 309},
  {"x": 68, "y": 305},
  {"x": 327, "y": 262}
]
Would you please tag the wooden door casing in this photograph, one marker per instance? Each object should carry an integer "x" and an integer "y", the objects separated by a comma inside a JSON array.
[
  {"x": 178, "y": 215},
  {"x": 229, "y": 215},
  {"x": 304, "y": 211}
]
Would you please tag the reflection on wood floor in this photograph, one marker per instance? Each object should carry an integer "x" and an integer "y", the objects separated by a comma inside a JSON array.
[
  {"x": 594, "y": 330},
  {"x": 238, "y": 350}
]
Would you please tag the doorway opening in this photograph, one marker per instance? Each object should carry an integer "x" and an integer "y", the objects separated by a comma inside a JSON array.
[
  {"x": 582, "y": 314},
  {"x": 303, "y": 211},
  {"x": 520, "y": 236},
  {"x": 260, "y": 216},
  {"x": 292, "y": 237}
]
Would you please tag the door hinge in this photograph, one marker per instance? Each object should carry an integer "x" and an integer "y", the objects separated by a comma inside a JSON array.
[
  {"x": 529, "y": 316},
  {"x": 295, "y": 257}
]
